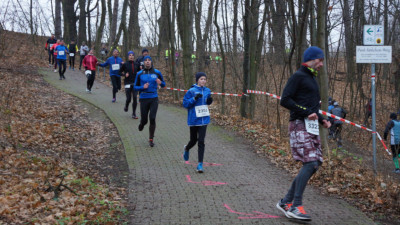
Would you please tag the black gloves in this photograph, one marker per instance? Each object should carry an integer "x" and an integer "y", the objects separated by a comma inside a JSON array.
[
  {"x": 198, "y": 95},
  {"x": 209, "y": 100}
]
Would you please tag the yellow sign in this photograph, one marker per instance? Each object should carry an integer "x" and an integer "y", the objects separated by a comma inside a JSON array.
[{"x": 378, "y": 41}]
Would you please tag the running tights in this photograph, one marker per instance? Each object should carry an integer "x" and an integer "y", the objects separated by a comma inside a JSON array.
[
  {"x": 149, "y": 107},
  {"x": 131, "y": 94},
  {"x": 116, "y": 83},
  {"x": 90, "y": 80},
  {"x": 62, "y": 66},
  {"x": 197, "y": 134}
]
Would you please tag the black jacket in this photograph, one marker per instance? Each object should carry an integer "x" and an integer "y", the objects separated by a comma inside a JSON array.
[
  {"x": 301, "y": 95},
  {"x": 129, "y": 67},
  {"x": 139, "y": 62}
]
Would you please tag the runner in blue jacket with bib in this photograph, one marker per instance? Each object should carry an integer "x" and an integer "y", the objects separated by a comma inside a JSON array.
[
  {"x": 393, "y": 126},
  {"x": 115, "y": 64},
  {"x": 196, "y": 101},
  {"x": 146, "y": 82}
]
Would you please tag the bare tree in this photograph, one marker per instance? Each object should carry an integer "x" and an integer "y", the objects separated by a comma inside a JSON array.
[
  {"x": 113, "y": 27},
  {"x": 57, "y": 21},
  {"x": 99, "y": 33},
  {"x": 70, "y": 18},
  {"x": 133, "y": 28}
]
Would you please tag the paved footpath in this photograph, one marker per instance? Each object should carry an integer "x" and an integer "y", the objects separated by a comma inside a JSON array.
[{"x": 237, "y": 187}]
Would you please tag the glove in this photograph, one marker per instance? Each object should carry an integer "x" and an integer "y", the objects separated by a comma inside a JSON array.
[
  {"x": 45, "y": 49},
  {"x": 209, "y": 100},
  {"x": 198, "y": 95}
]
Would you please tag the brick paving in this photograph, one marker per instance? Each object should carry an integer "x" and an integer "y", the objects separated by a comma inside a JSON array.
[{"x": 238, "y": 187}]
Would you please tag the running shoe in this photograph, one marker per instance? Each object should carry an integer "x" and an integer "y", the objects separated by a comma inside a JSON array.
[
  {"x": 284, "y": 207},
  {"x": 200, "y": 167},
  {"x": 60, "y": 78},
  {"x": 126, "y": 109},
  {"x": 298, "y": 213},
  {"x": 63, "y": 77},
  {"x": 151, "y": 143},
  {"x": 73, "y": 69},
  {"x": 397, "y": 170},
  {"x": 113, "y": 100},
  {"x": 185, "y": 154},
  {"x": 134, "y": 116},
  {"x": 87, "y": 90},
  {"x": 140, "y": 127},
  {"x": 55, "y": 71}
]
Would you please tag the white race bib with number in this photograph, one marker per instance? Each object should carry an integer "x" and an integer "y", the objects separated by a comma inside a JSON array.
[
  {"x": 51, "y": 45},
  {"x": 128, "y": 86},
  {"x": 61, "y": 52},
  {"x": 312, "y": 126},
  {"x": 103, "y": 52},
  {"x": 202, "y": 111},
  {"x": 71, "y": 54},
  {"x": 115, "y": 66},
  {"x": 88, "y": 72}
]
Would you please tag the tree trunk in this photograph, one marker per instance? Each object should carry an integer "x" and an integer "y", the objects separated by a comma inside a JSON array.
[
  {"x": 221, "y": 46},
  {"x": 134, "y": 29},
  {"x": 278, "y": 39},
  {"x": 322, "y": 74},
  {"x": 201, "y": 40},
  {"x": 82, "y": 22},
  {"x": 57, "y": 21},
  {"x": 122, "y": 25},
  {"x": 99, "y": 33},
  {"x": 113, "y": 27},
  {"x": 185, "y": 26},
  {"x": 69, "y": 20},
  {"x": 163, "y": 27}
]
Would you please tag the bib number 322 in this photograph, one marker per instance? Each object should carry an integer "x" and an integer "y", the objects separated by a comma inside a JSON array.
[{"x": 312, "y": 126}]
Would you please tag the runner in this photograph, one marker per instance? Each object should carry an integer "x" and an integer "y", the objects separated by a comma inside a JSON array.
[
  {"x": 129, "y": 69},
  {"x": 301, "y": 97},
  {"x": 55, "y": 54},
  {"x": 73, "y": 49},
  {"x": 394, "y": 127},
  {"x": 90, "y": 63},
  {"x": 167, "y": 53},
  {"x": 140, "y": 59},
  {"x": 50, "y": 42},
  {"x": 61, "y": 51},
  {"x": 115, "y": 63},
  {"x": 336, "y": 128},
  {"x": 103, "y": 51},
  {"x": 82, "y": 53},
  {"x": 196, "y": 100},
  {"x": 147, "y": 81}
]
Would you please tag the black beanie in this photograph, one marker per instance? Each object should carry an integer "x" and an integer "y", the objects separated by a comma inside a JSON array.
[
  {"x": 393, "y": 116},
  {"x": 200, "y": 74}
]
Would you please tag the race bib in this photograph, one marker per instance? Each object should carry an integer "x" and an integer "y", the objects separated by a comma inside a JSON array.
[
  {"x": 71, "y": 54},
  {"x": 115, "y": 66},
  {"x": 128, "y": 86},
  {"x": 103, "y": 52},
  {"x": 202, "y": 111},
  {"x": 312, "y": 126},
  {"x": 60, "y": 52},
  {"x": 51, "y": 45}
]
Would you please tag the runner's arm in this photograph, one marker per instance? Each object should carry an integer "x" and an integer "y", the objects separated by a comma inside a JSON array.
[
  {"x": 389, "y": 126},
  {"x": 287, "y": 98},
  {"x": 188, "y": 100}
]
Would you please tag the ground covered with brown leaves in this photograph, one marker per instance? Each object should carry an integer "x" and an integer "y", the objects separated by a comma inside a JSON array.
[{"x": 61, "y": 160}]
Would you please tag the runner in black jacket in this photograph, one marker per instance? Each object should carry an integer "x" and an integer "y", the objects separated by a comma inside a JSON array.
[
  {"x": 140, "y": 60},
  {"x": 128, "y": 71}
]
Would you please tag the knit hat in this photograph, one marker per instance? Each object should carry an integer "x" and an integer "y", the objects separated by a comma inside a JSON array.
[
  {"x": 312, "y": 53},
  {"x": 200, "y": 74},
  {"x": 147, "y": 57},
  {"x": 144, "y": 50},
  {"x": 131, "y": 52},
  {"x": 393, "y": 116}
]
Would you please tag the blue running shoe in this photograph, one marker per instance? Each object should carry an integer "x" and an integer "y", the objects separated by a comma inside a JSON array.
[
  {"x": 200, "y": 167},
  {"x": 185, "y": 154}
]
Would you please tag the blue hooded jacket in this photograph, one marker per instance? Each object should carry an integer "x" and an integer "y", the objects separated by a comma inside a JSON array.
[
  {"x": 148, "y": 76},
  {"x": 190, "y": 103},
  {"x": 110, "y": 61}
]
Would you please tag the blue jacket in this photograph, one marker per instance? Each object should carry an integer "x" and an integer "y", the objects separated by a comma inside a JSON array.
[
  {"x": 190, "y": 103},
  {"x": 111, "y": 61},
  {"x": 148, "y": 76},
  {"x": 62, "y": 52}
]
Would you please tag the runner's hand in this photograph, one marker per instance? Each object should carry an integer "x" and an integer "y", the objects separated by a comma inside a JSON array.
[
  {"x": 313, "y": 116},
  {"x": 146, "y": 85},
  {"x": 326, "y": 124},
  {"x": 198, "y": 95},
  {"x": 127, "y": 75},
  {"x": 158, "y": 81}
]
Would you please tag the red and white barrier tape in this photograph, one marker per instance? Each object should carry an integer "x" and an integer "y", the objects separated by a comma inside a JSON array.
[
  {"x": 213, "y": 93},
  {"x": 330, "y": 115}
]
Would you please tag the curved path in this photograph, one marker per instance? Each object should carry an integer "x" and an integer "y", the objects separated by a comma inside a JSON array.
[{"x": 237, "y": 187}]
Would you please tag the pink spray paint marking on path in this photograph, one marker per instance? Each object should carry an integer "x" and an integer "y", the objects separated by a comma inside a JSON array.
[
  {"x": 205, "y": 183},
  {"x": 256, "y": 215},
  {"x": 204, "y": 164}
]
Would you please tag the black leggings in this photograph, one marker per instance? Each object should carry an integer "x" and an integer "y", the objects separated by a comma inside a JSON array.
[
  {"x": 299, "y": 183},
  {"x": 197, "y": 134},
  {"x": 51, "y": 57},
  {"x": 72, "y": 61},
  {"x": 131, "y": 94},
  {"x": 90, "y": 80},
  {"x": 116, "y": 83},
  {"x": 80, "y": 61},
  {"x": 62, "y": 66},
  {"x": 149, "y": 106}
]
